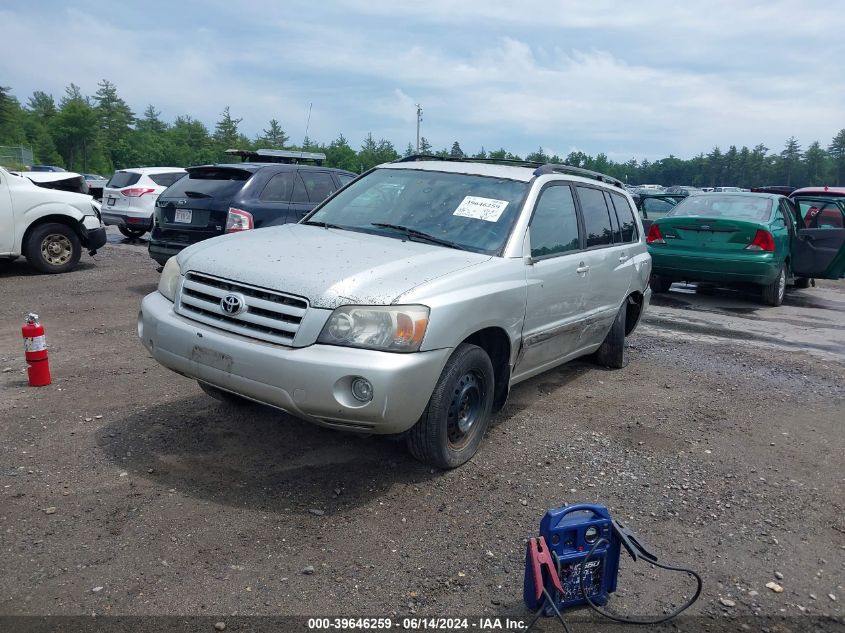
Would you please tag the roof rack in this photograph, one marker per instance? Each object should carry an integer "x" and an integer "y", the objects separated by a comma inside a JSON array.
[
  {"x": 540, "y": 168},
  {"x": 277, "y": 156}
]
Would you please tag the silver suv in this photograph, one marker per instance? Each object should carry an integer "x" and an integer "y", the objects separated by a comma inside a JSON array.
[{"x": 411, "y": 301}]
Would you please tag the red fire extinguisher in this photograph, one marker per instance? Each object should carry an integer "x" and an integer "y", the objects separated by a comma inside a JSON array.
[{"x": 35, "y": 348}]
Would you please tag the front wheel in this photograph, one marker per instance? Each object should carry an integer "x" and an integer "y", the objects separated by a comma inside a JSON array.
[
  {"x": 773, "y": 293},
  {"x": 451, "y": 429},
  {"x": 53, "y": 248}
]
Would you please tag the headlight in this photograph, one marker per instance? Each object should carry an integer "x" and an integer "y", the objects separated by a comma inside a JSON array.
[
  {"x": 385, "y": 328},
  {"x": 170, "y": 279}
]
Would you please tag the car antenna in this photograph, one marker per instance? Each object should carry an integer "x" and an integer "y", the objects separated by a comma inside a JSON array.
[{"x": 307, "y": 125}]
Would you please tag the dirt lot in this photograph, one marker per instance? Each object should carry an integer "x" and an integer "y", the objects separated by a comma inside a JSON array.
[{"x": 126, "y": 490}]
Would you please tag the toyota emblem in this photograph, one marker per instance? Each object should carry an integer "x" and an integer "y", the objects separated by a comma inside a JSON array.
[{"x": 232, "y": 304}]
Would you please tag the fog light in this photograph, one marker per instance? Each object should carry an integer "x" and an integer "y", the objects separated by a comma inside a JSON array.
[{"x": 362, "y": 389}]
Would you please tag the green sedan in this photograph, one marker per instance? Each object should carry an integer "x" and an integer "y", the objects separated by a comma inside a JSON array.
[{"x": 756, "y": 238}]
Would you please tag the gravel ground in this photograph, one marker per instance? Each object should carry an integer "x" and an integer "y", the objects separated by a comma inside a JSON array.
[{"x": 126, "y": 490}]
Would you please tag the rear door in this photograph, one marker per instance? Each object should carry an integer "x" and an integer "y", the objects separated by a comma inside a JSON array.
[
  {"x": 819, "y": 246},
  {"x": 199, "y": 202},
  {"x": 607, "y": 258},
  {"x": 319, "y": 185},
  {"x": 274, "y": 202}
]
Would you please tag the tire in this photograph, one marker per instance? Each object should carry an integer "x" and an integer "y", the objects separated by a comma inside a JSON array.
[
  {"x": 131, "y": 233},
  {"x": 53, "y": 248},
  {"x": 772, "y": 294},
  {"x": 458, "y": 413},
  {"x": 659, "y": 284},
  {"x": 801, "y": 282},
  {"x": 612, "y": 352},
  {"x": 223, "y": 396}
]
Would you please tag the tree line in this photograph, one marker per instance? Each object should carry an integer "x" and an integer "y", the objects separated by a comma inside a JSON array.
[{"x": 100, "y": 133}]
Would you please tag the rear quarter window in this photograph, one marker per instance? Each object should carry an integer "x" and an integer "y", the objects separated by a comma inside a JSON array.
[
  {"x": 209, "y": 182},
  {"x": 122, "y": 179},
  {"x": 165, "y": 180}
]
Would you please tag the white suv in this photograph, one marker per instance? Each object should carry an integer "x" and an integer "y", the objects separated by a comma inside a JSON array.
[
  {"x": 130, "y": 196},
  {"x": 411, "y": 300}
]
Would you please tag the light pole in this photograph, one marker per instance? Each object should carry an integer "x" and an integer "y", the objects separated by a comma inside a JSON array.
[{"x": 419, "y": 120}]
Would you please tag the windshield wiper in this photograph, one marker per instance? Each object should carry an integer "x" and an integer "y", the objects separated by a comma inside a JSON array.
[
  {"x": 419, "y": 235},
  {"x": 197, "y": 194},
  {"x": 326, "y": 225}
]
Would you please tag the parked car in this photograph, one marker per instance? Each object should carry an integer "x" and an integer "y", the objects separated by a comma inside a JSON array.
[
  {"x": 129, "y": 197},
  {"x": 96, "y": 184},
  {"x": 49, "y": 227},
  {"x": 61, "y": 180},
  {"x": 46, "y": 168},
  {"x": 743, "y": 238},
  {"x": 685, "y": 190},
  {"x": 216, "y": 199},
  {"x": 411, "y": 300}
]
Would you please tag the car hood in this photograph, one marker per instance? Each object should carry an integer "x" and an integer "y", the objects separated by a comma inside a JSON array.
[{"x": 329, "y": 267}]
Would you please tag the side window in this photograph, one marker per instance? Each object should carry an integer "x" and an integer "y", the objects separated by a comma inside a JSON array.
[
  {"x": 299, "y": 193},
  {"x": 788, "y": 215},
  {"x": 279, "y": 188},
  {"x": 596, "y": 219},
  {"x": 344, "y": 179},
  {"x": 318, "y": 184},
  {"x": 626, "y": 217},
  {"x": 554, "y": 226},
  {"x": 657, "y": 206},
  {"x": 614, "y": 220}
]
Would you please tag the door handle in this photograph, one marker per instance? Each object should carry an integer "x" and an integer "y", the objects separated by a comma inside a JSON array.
[
  {"x": 623, "y": 257},
  {"x": 582, "y": 269}
]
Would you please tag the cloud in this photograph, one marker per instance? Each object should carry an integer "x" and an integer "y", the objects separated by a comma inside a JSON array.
[{"x": 639, "y": 79}]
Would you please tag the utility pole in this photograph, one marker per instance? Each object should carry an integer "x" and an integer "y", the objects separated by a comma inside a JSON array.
[{"x": 419, "y": 120}]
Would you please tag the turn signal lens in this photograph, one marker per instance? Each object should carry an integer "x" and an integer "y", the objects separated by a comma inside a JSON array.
[
  {"x": 654, "y": 235},
  {"x": 763, "y": 241},
  {"x": 238, "y": 220}
]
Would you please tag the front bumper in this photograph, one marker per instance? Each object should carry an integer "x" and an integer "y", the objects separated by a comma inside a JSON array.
[
  {"x": 310, "y": 382},
  {"x": 94, "y": 239}
]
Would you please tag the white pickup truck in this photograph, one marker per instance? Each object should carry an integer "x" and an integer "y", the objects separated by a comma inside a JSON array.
[{"x": 47, "y": 226}]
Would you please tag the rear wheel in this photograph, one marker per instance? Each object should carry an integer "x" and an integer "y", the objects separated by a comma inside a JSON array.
[
  {"x": 659, "y": 284},
  {"x": 451, "y": 429},
  {"x": 773, "y": 293},
  {"x": 612, "y": 351},
  {"x": 130, "y": 232},
  {"x": 223, "y": 396},
  {"x": 53, "y": 248}
]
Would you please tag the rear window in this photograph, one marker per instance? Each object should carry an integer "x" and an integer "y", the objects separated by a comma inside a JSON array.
[
  {"x": 165, "y": 180},
  {"x": 122, "y": 179},
  {"x": 727, "y": 206},
  {"x": 209, "y": 182}
]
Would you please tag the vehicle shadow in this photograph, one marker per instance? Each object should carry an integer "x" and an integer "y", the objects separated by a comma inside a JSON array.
[
  {"x": 257, "y": 457},
  {"x": 143, "y": 289},
  {"x": 20, "y": 268}
]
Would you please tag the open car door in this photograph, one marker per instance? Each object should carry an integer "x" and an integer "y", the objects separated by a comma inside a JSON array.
[{"x": 819, "y": 246}]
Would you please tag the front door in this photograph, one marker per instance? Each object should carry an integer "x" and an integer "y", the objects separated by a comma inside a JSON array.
[
  {"x": 819, "y": 246},
  {"x": 557, "y": 282},
  {"x": 7, "y": 217}
]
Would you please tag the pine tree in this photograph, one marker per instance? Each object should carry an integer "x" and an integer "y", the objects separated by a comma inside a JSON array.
[
  {"x": 226, "y": 131},
  {"x": 409, "y": 150},
  {"x": 115, "y": 119},
  {"x": 75, "y": 130},
  {"x": 791, "y": 158},
  {"x": 425, "y": 146},
  {"x": 456, "y": 151},
  {"x": 274, "y": 137},
  {"x": 836, "y": 150}
]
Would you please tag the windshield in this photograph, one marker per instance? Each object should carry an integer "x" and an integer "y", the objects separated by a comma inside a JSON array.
[
  {"x": 474, "y": 213},
  {"x": 718, "y": 206}
]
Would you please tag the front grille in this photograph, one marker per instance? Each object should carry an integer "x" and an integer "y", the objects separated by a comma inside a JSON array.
[{"x": 269, "y": 315}]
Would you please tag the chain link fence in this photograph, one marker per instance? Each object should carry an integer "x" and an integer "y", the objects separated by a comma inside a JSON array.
[{"x": 16, "y": 157}]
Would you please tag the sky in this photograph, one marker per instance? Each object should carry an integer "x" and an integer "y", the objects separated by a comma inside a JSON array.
[{"x": 641, "y": 79}]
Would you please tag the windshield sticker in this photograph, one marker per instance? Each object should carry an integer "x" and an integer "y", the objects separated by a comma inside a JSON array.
[{"x": 487, "y": 209}]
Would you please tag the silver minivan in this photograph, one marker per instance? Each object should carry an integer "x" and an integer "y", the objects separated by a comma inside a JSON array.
[{"x": 411, "y": 301}]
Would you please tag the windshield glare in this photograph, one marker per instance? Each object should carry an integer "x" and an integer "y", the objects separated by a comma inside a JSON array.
[
  {"x": 717, "y": 206},
  {"x": 473, "y": 212}
]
